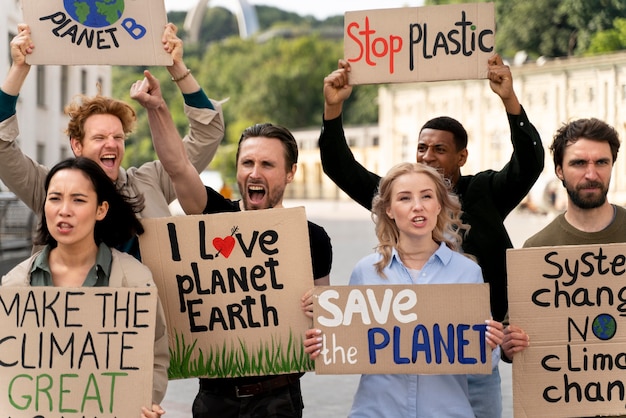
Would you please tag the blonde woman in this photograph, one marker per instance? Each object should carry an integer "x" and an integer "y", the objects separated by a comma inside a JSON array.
[{"x": 418, "y": 228}]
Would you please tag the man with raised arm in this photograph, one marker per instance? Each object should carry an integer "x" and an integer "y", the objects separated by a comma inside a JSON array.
[
  {"x": 98, "y": 128},
  {"x": 267, "y": 157}
]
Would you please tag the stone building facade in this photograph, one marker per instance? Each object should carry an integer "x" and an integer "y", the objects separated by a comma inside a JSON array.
[{"x": 552, "y": 92}]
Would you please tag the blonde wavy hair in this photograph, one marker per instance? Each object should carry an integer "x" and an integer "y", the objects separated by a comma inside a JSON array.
[{"x": 449, "y": 228}]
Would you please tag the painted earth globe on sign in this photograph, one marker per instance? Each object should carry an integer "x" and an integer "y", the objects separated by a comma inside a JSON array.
[
  {"x": 95, "y": 13},
  {"x": 604, "y": 327}
]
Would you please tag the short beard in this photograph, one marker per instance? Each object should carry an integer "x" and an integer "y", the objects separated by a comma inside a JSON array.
[{"x": 587, "y": 202}]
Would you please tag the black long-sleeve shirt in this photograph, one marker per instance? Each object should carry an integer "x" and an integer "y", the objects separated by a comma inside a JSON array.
[{"x": 486, "y": 197}]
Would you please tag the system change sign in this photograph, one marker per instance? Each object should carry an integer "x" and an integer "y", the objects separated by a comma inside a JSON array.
[
  {"x": 99, "y": 32},
  {"x": 400, "y": 329},
  {"x": 78, "y": 352},
  {"x": 571, "y": 300},
  {"x": 450, "y": 42},
  {"x": 231, "y": 285}
]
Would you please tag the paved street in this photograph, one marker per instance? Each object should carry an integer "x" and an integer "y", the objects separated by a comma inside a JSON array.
[{"x": 352, "y": 234}]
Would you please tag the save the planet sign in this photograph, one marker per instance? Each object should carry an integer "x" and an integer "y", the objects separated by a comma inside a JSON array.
[
  {"x": 399, "y": 329},
  {"x": 101, "y": 32},
  {"x": 571, "y": 301}
]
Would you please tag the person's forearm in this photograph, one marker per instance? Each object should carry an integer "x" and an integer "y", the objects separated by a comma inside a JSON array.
[
  {"x": 171, "y": 152},
  {"x": 341, "y": 167},
  {"x": 512, "y": 105},
  {"x": 206, "y": 130},
  {"x": 19, "y": 172},
  {"x": 15, "y": 79},
  {"x": 167, "y": 141},
  {"x": 181, "y": 75},
  {"x": 332, "y": 111}
]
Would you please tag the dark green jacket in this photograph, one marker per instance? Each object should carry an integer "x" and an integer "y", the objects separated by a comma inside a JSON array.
[{"x": 486, "y": 197}]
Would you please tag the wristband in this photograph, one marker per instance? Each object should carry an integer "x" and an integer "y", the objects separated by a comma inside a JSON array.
[{"x": 176, "y": 80}]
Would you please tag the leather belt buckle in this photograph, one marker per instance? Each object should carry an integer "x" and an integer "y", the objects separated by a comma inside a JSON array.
[{"x": 248, "y": 394}]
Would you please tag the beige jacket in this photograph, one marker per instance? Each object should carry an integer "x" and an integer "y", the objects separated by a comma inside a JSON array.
[
  {"x": 126, "y": 271},
  {"x": 26, "y": 177}
]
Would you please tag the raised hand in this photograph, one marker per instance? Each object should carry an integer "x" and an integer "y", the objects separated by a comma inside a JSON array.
[
  {"x": 501, "y": 82},
  {"x": 21, "y": 45},
  {"x": 147, "y": 92},
  {"x": 336, "y": 86}
]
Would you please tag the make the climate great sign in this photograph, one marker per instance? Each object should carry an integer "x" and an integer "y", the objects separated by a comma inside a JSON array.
[{"x": 76, "y": 351}]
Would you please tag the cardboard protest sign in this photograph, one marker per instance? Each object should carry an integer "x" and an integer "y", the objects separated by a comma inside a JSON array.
[
  {"x": 399, "y": 329},
  {"x": 409, "y": 44},
  {"x": 99, "y": 32},
  {"x": 76, "y": 351},
  {"x": 571, "y": 301},
  {"x": 231, "y": 285}
]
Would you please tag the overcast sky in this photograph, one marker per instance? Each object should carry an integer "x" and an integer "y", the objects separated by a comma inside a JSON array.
[{"x": 321, "y": 9}]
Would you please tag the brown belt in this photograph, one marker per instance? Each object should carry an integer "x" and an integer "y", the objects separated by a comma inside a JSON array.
[{"x": 244, "y": 391}]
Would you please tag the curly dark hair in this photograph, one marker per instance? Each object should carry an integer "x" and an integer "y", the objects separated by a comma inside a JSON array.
[{"x": 592, "y": 128}]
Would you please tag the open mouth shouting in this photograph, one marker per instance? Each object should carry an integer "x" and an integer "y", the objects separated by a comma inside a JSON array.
[
  {"x": 256, "y": 194},
  {"x": 108, "y": 160}
]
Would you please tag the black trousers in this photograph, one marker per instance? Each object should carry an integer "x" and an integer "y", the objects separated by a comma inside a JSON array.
[{"x": 283, "y": 402}]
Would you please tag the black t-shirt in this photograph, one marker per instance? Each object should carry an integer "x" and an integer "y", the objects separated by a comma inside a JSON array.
[{"x": 321, "y": 249}]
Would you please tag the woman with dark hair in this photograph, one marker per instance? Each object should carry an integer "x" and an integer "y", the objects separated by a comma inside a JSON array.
[
  {"x": 83, "y": 216},
  {"x": 418, "y": 226},
  {"x": 119, "y": 223}
]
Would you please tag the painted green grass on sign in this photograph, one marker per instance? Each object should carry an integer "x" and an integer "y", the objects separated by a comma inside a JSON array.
[{"x": 232, "y": 360}]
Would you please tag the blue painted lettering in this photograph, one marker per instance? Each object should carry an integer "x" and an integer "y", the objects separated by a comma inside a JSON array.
[{"x": 448, "y": 345}]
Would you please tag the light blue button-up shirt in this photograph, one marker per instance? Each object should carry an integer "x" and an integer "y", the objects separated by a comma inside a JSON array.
[{"x": 409, "y": 395}]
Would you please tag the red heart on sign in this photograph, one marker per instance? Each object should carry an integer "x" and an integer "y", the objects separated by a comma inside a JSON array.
[{"x": 224, "y": 245}]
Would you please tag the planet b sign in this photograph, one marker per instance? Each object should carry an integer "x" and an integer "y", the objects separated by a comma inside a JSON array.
[{"x": 99, "y": 32}]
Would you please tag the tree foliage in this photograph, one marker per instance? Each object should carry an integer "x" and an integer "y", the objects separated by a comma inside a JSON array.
[
  {"x": 534, "y": 26},
  {"x": 609, "y": 40},
  {"x": 552, "y": 28},
  {"x": 589, "y": 17},
  {"x": 277, "y": 80}
]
